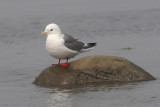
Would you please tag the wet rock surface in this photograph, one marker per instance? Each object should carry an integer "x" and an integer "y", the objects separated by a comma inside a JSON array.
[{"x": 92, "y": 69}]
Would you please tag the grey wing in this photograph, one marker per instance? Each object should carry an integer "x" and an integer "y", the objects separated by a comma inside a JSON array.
[{"x": 72, "y": 43}]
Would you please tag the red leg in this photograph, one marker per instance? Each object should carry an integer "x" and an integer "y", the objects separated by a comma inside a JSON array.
[
  {"x": 67, "y": 60},
  {"x": 59, "y": 61}
]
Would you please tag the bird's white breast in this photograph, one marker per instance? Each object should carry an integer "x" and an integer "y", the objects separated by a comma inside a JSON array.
[{"x": 55, "y": 47}]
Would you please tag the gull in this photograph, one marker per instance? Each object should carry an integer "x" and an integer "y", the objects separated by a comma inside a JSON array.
[{"x": 63, "y": 46}]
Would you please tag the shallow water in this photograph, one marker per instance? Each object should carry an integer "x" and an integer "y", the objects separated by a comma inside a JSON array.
[{"x": 23, "y": 55}]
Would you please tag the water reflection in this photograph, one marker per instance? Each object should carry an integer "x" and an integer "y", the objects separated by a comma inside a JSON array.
[
  {"x": 60, "y": 99},
  {"x": 92, "y": 94}
]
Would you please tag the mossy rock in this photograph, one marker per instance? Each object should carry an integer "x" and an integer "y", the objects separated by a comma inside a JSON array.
[{"x": 92, "y": 69}]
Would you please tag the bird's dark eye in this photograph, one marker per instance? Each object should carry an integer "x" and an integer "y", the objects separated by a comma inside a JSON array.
[{"x": 51, "y": 29}]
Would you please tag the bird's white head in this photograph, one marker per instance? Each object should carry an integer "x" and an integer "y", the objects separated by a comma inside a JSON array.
[{"x": 51, "y": 29}]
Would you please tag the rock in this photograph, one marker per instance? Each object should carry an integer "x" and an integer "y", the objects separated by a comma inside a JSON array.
[{"x": 92, "y": 69}]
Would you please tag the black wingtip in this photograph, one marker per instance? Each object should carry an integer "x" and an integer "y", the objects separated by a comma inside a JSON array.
[
  {"x": 89, "y": 45},
  {"x": 92, "y": 44}
]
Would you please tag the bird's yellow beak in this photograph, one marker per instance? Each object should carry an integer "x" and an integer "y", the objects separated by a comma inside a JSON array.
[{"x": 44, "y": 33}]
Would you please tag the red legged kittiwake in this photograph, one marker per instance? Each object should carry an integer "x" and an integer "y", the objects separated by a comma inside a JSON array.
[{"x": 63, "y": 46}]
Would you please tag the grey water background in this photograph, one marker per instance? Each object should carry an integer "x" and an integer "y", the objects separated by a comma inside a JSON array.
[{"x": 113, "y": 24}]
